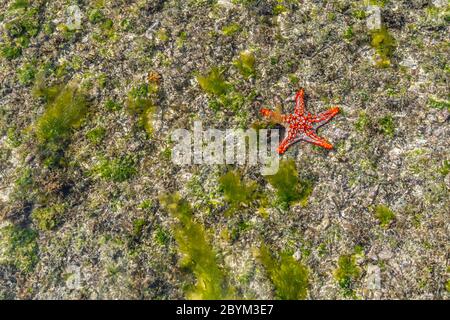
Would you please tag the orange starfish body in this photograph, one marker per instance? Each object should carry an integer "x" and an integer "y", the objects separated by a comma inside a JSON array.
[{"x": 301, "y": 126}]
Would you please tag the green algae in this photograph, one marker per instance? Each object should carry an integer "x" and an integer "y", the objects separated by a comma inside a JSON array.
[
  {"x": 387, "y": 125},
  {"x": 181, "y": 39},
  {"x": 363, "y": 122},
  {"x": 290, "y": 189},
  {"x": 246, "y": 64},
  {"x": 214, "y": 83},
  {"x": 444, "y": 169},
  {"x": 27, "y": 74},
  {"x": 223, "y": 95},
  {"x": 117, "y": 170},
  {"x": 384, "y": 215},
  {"x": 138, "y": 227},
  {"x": 279, "y": 9},
  {"x": 65, "y": 110},
  {"x": 112, "y": 105},
  {"x": 14, "y": 137},
  {"x": 11, "y": 51},
  {"x": 142, "y": 104},
  {"x": 96, "y": 135},
  {"x": 238, "y": 230},
  {"x": 19, "y": 247},
  {"x": 48, "y": 218},
  {"x": 380, "y": 3},
  {"x": 23, "y": 186},
  {"x": 198, "y": 254},
  {"x": 236, "y": 191},
  {"x": 289, "y": 277},
  {"x": 359, "y": 14},
  {"x": 162, "y": 237},
  {"x": 384, "y": 44},
  {"x": 346, "y": 274},
  {"x": 162, "y": 35},
  {"x": 439, "y": 104},
  {"x": 96, "y": 16},
  {"x": 20, "y": 30},
  {"x": 348, "y": 34},
  {"x": 231, "y": 29},
  {"x": 19, "y": 4}
]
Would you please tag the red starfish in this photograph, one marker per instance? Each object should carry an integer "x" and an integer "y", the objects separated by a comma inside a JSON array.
[{"x": 301, "y": 125}]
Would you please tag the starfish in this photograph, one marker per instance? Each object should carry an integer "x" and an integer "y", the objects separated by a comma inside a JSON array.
[{"x": 301, "y": 125}]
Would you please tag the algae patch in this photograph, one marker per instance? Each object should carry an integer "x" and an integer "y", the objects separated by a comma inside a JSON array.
[
  {"x": 117, "y": 170},
  {"x": 290, "y": 189},
  {"x": 214, "y": 83},
  {"x": 142, "y": 104},
  {"x": 198, "y": 254},
  {"x": 236, "y": 191},
  {"x": 65, "y": 110},
  {"x": 384, "y": 44},
  {"x": 384, "y": 215},
  {"x": 346, "y": 274},
  {"x": 246, "y": 64},
  {"x": 19, "y": 247},
  {"x": 289, "y": 277},
  {"x": 48, "y": 218}
]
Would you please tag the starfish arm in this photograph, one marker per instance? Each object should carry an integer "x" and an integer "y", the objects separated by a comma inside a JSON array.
[
  {"x": 313, "y": 138},
  {"x": 322, "y": 118},
  {"x": 266, "y": 113},
  {"x": 288, "y": 141},
  {"x": 300, "y": 102},
  {"x": 274, "y": 116}
]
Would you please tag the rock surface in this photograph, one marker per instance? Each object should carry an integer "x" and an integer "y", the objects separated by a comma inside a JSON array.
[{"x": 93, "y": 226}]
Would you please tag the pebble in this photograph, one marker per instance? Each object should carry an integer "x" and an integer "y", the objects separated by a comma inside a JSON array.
[
  {"x": 385, "y": 254},
  {"x": 373, "y": 277}
]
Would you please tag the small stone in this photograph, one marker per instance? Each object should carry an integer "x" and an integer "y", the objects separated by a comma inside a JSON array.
[
  {"x": 74, "y": 16},
  {"x": 324, "y": 224},
  {"x": 29, "y": 158},
  {"x": 409, "y": 62},
  {"x": 440, "y": 3},
  {"x": 385, "y": 254},
  {"x": 225, "y": 3},
  {"x": 151, "y": 31},
  {"x": 4, "y": 194},
  {"x": 373, "y": 277},
  {"x": 373, "y": 18},
  {"x": 73, "y": 280}
]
